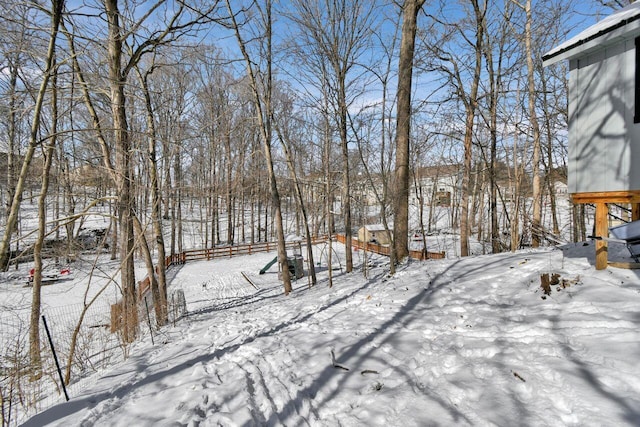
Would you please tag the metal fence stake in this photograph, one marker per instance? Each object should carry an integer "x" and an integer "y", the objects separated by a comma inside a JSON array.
[{"x": 55, "y": 357}]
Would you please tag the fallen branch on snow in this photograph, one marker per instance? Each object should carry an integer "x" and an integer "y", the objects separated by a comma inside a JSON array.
[{"x": 337, "y": 365}]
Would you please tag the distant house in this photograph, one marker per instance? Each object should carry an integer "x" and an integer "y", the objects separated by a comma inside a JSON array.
[
  {"x": 374, "y": 233},
  {"x": 604, "y": 115},
  {"x": 91, "y": 175},
  {"x": 439, "y": 184},
  {"x": 560, "y": 188},
  {"x": 367, "y": 188}
]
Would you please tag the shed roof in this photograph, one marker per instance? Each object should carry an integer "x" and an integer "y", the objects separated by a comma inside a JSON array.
[
  {"x": 374, "y": 227},
  {"x": 621, "y": 24}
]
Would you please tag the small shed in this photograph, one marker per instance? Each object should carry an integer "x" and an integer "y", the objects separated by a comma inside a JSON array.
[
  {"x": 604, "y": 116},
  {"x": 374, "y": 233}
]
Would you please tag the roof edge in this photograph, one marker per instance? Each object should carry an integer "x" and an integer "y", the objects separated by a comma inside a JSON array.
[{"x": 548, "y": 59}]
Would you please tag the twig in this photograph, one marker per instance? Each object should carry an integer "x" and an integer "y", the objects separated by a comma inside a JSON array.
[
  {"x": 337, "y": 365},
  {"x": 515, "y": 374}
]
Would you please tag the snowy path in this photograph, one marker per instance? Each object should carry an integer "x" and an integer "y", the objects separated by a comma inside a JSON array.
[{"x": 452, "y": 342}]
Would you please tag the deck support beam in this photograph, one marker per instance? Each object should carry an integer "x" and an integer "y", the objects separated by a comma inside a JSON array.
[
  {"x": 600, "y": 200},
  {"x": 602, "y": 230}
]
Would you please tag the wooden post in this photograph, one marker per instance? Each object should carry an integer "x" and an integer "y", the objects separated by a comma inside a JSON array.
[
  {"x": 635, "y": 211},
  {"x": 602, "y": 230}
]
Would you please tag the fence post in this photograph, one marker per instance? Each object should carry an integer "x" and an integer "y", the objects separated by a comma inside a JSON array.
[
  {"x": 55, "y": 358},
  {"x": 173, "y": 303},
  {"x": 149, "y": 320}
]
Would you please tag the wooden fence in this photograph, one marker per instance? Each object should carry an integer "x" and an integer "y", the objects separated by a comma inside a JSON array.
[
  {"x": 144, "y": 285},
  {"x": 386, "y": 250}
]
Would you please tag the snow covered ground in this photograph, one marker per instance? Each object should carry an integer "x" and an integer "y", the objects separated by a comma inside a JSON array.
[{"x": 470, "y": 341}]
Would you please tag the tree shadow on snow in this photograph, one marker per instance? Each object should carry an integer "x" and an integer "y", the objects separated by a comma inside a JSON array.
[
  {"x": 66, "y": 409},
  {"x": 403, "y": 317},
  {"x": 630, "y": 411}
]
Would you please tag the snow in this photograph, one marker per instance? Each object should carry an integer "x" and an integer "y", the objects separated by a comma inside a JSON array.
[
  {"x": 377, "y": 227},
  {"x": 471, "y": 341},
  {"x": 602, "y": 27}
]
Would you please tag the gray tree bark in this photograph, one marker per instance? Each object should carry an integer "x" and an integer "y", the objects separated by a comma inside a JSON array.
[{"x": 400, "y": 247}]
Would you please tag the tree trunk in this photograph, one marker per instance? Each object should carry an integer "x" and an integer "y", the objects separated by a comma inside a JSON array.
[
  {"x": 12, "y": 217},
  {"x": 346, "y": 179},
  {"x": 229, "y": 195},
  {"x": 159, "y": 286},
  {"x": 264, "y": 110},
  {"x": 495, "y": 83},
  {"x": 11, "y": 142},
  {"x": 301, "y": 204},
  {"x": 533, "y": 118},
  {"x": 470, "y": 106},
  {"x": 123, "y": 168},
  {"x": 328, "y": 194},
  {"x": 34, "y": 329},
  {"x": 153, "y": 281},
  {"x": 410, "y": 11},
  {"x": 177, "y": 200}
]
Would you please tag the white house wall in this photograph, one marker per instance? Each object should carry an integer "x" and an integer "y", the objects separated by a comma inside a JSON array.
[
  {"x": 444, "y": 183},
  {"x": 601, "y": 128}
]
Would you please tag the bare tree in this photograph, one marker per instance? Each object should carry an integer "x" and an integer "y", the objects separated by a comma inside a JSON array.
[
  {"x": 462, "y": 70},
  {"x": 120, "y": 65},
  {"x": 536, "y": 221},
  {"x": 55, "y": 13},
  {"x": 262, "y": 94},
  {"x": 159, "y": 283},
  {"x": 14, "y": 40},
  {"x": 336, "y": 33},
  {"x": 57, "y": 7},
  {"x": 48, "y": 155},
  {"x": 123, "y": 169},
  {"x": 615, "y": 4},
  {"x": 552, "y": 97},
  {"x": 284, "y": 136},
  {"x": 498, "y": 51},
  {"x": 400, "y": 249}
]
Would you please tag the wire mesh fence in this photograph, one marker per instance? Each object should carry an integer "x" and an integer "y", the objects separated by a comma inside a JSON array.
[
  {"x": 85, "y": 342},
  {"x": 84, "y": 345}
]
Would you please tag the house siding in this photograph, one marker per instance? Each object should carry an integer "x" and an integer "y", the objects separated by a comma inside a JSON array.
[{"x": 601, "y": 127}]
